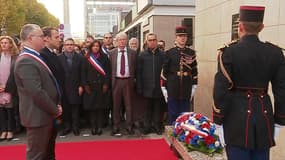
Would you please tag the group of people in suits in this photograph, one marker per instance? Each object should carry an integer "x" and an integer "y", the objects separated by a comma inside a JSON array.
[{"x": 49, "y": 86}]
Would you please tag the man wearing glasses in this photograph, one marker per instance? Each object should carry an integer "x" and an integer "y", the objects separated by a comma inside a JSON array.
[{"x": 107, "y": 43}]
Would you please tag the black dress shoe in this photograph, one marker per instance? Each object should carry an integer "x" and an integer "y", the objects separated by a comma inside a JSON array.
[
  {"x": 93, "y": 131},
  {"x": 76, "y": 132},
  {"x": 65, "y": 132},
  {"x": 130, "y": 131},
  {"x": 116, "y": 133},
  {"x": 2, "y": 139},
  {"x": 158, "y": 131},
  {"x": 99, "y": 131},
  {"x": 146, "y": 131}
]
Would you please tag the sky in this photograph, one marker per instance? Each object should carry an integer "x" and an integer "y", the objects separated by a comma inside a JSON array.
[{"x": 55, "y": 7}]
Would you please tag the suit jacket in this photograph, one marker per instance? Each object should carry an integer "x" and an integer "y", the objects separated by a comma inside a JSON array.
[
  {"x": 37, "y": 93},
  {"x": 72, "y": 79},
  {"x": 55, "y": 66},
  {"x": 131, "y": 61}
]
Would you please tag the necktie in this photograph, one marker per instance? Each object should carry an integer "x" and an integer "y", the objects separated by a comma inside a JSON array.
[{"x": 122, "y": 71}]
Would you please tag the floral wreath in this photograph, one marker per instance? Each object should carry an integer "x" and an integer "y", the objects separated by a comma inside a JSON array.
[{"x": 197, "y": 132}]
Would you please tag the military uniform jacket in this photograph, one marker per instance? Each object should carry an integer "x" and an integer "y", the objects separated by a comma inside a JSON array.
[
  {"x": 241, "y": 102},
  {"x": 180, "y": 86}
]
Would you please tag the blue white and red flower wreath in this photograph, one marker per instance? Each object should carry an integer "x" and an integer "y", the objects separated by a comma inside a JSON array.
[{"x": 197, "y": 132}]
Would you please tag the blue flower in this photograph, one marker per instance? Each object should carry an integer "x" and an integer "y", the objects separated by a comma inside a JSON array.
[{"x": 181, "y": 138}]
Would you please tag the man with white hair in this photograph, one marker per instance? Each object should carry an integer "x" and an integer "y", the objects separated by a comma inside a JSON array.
[
  {"x": 134, "y": 43},
  {"x": 123, "y": 62}
]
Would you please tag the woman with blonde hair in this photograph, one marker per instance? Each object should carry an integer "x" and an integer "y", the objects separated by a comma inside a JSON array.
[{"x": 8, "y": 52}]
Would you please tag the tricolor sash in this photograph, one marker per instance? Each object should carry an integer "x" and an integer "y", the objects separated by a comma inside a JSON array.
[
  {"x": 39, "y": 58},
  {"x": 96, "y": 64},
  {"x": 106, "y": 51}
]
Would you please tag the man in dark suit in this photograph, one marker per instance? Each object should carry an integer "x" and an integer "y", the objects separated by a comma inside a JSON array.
[
  {"x": 52, "y": 43},
  {"x": 71, "y": 62},
  {"x": 241, "y": 102},
  {"x": 38, "y": 94},
  {"x": 123, "y": 62}
]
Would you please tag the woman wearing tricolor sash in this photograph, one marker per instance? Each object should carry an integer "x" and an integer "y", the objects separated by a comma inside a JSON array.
[{"x": 96, "y": 82}]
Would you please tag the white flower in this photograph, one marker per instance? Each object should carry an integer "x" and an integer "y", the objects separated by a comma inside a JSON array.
[
  {"x": 217, "y": 144},
  {"x": 186, "y": 133}
]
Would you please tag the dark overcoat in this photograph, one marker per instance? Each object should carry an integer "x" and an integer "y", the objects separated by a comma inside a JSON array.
[{"x": 95, "y": 80}]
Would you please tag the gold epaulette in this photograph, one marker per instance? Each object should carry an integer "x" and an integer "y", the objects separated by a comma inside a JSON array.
[
  {"x": 223, "y": 69},
  {"x": 225, "y": 45},
  {"x": 267, "y": 42}
]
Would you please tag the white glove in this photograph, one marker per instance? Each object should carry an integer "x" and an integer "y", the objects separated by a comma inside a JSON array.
[
  {"x": 277, "y": 130},
  {"x": 220, "y": 133},
  {"x": 164, "y": 92},
  {"x": 193, "y": 91}
]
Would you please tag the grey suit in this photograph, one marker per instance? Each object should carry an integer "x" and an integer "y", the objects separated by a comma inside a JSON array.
[
  {"x": 122, "y": 88},
  {"x": 37, "y": 104}
]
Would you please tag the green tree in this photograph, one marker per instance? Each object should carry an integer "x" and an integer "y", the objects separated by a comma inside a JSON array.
[
  {"x": 15, "y": 13},
  {"x": 38, "y": 14},
  {"x": 16, "y": 16}
]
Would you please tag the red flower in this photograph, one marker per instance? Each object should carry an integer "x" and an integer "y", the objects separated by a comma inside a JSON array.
[
  {"x": 209, "y": 140},
  {"x": 183, "y": 118},
  {"x": 187, "y": 139},
  {"x": 206, "y": 125},
  {"x": 198, "y": 116}
]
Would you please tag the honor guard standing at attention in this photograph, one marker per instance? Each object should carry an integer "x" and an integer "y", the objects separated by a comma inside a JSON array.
[
  {"x": 242, "y": 108},
  {"x": 179, "y": 76}
]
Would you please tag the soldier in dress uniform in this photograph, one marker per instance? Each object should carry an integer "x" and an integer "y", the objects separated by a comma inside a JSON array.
[
  {"x": 242, "y": 108},
  {"x": 180, "y": 74}
]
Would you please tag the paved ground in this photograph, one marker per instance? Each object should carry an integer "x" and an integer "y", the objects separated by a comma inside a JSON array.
[
  {"x": 85, "y": 135},
  {"x": 277, "y": 152}
]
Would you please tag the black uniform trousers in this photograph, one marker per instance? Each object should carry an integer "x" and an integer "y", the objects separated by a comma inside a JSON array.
[{"x": 237, "y": 153}]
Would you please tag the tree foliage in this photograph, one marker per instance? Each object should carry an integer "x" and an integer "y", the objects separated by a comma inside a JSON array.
[{"x": 15, "y": 13}]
